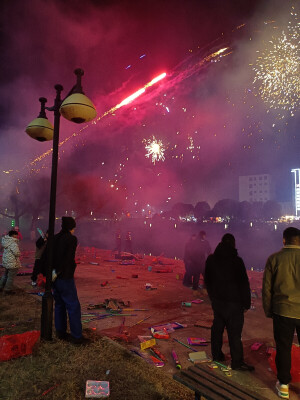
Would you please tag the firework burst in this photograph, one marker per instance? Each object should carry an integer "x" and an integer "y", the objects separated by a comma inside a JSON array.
[
  {"x": 155, "y": 149},
  {"x": 277, "y": 69}
]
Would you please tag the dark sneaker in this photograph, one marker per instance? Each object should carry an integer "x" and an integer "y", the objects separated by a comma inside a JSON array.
[
  {"x": 243, "y": 367},
  {"x": 63, "y": 336},
  {"x": 83, "y": 341}
]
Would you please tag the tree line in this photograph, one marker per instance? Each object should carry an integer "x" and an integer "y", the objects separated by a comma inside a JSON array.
[{"x": 227, "y": 209}]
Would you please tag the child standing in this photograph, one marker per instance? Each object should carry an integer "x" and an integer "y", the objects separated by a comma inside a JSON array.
[{"x": 10, "y": 261}]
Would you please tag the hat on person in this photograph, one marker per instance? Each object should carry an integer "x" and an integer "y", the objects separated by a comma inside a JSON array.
[{"x": 68, "y": 223}]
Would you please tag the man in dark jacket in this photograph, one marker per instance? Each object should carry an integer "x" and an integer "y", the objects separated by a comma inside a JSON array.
[
  {"x": 64, "y": 289},
  {"x": 228, "y": 288}
]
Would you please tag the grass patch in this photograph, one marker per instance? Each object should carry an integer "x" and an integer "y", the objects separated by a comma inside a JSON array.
[{"x": 59, "y": 371}]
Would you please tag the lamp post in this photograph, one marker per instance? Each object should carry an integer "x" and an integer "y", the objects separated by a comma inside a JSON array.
[{"x": 76, "y": 107}]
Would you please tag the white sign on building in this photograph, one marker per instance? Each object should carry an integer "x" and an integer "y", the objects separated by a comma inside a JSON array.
[{"x": 296, "y": 172}]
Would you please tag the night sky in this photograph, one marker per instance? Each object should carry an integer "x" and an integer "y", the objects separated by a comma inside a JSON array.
[{"x": 208, "y": 112}]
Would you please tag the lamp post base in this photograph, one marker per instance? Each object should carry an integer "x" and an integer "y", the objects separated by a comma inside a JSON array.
[{"x": 47, "y": 315}]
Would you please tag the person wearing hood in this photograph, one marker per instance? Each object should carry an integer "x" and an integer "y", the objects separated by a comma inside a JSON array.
[
  {"x": 228, "y": 288},
  {"x": 64, "y": 288},
  {"x": 10, "y": 261}
]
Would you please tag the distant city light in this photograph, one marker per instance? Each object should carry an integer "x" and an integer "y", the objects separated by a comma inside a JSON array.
[{"x": 296, "y": 172}]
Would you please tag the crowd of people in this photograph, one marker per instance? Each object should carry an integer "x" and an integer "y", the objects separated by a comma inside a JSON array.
[
  {"x": 224, "y": 278},
  {"x": 227, "y": 285}
]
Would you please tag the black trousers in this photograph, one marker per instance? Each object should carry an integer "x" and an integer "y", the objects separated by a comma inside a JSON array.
[
  {"x": 36, "y": 270},
  {"x": 284, "y": 329},
  {"x": 187, "y": 279},
  {"x": 230, "y": 316},
  {"x": 192, "y": 275}
]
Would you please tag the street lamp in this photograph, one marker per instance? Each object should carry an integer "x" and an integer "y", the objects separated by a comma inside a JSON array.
[{"x": 76, "y": 107}]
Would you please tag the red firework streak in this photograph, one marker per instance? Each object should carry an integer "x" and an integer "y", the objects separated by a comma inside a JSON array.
[{"x": 176, "y": 359}]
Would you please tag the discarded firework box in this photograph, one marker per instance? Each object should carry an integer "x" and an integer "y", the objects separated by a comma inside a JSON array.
[
  {"x": 127, "y": 256},
  {"x": 19, "y": 345},
  {"x": 97, "y": 389},
  {"x": 147, "y": 343},
  {"x": 147, "y": 357},
  {"x": 192, "y": 341},
  {"x": 170, "y": 326},
  {"x": 115, "y": 305},
  {"x": 199, "y": 357},
  {"x": 162, "y": 270},
  {"x": 163, "y": 334},
  {"x": 295, "y": 369}
]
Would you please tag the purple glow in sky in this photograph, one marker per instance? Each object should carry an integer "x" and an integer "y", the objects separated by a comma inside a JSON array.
[{"x": 206, "y": 109}]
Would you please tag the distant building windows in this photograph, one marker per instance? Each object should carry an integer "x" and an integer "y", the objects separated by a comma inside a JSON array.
[{"x": 255, "y": 188}]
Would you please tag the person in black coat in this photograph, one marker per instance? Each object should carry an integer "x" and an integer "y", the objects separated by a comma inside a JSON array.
[
  {"x": 64, "y": 288},
  {"x": 228, "y": 288}
]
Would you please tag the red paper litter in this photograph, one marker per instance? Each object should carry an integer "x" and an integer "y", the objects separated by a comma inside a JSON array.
[{"x": 19, "y": 345}]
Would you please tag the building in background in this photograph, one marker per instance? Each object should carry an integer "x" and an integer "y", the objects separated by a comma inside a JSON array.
[
  {"x": 296, "y": 191},
  {"x": 254, "y": 188}
]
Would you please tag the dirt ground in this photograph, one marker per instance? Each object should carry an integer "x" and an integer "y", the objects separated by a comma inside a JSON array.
[{"x": 99, "y": 276}]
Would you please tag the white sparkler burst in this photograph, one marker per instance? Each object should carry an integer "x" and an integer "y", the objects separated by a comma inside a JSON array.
[
  {"x": 277, "y": 69},
  {"x": 155, "y": 149}
]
